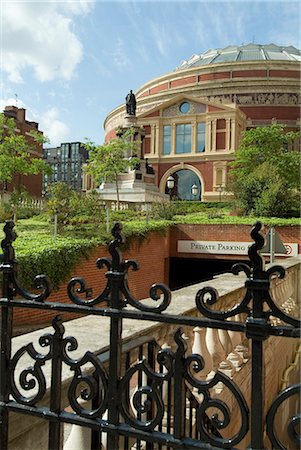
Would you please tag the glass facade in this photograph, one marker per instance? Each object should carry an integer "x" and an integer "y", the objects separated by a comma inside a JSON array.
[
  {"x": 183, "y": 138},
  {"x": 66, "y": 163}
]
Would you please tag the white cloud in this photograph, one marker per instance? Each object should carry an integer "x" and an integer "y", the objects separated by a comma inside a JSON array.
[
  {"x": 160, "y": 37},
  {"x": 55, "y": 129},
  {"x": 119, "y": 55},
  {"x": 11, "y": 101},
  {"x": 49, "y": 121},
  {"x": 40, "y": 35}
]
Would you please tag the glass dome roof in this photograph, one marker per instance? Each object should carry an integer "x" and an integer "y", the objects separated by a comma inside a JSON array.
[{"x": 249, "y": 52}]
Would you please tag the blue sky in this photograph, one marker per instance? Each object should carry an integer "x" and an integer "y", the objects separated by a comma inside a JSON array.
[{"x": 71, "y": 62}]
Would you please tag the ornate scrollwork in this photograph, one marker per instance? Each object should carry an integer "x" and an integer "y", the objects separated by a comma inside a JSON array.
[
  {"x": 78, "y": 285},
  {"x": 293, "y": 424},
  {"x": 9, "y": 267},
  {"x": 148, "y": 398},
  {"x": 92, "y": 386},
  {"x": 153, "y": 293},
  {"x": 89, "y": 384},
  {"x": 258, "y": 280},
  {"x": 192, "y": 365},
  {"x": 32, "y": 377},
  {"x": 117, "y": 276}
]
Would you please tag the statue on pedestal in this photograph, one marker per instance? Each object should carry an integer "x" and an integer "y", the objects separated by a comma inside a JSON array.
[{"x": 130, "y": 100}]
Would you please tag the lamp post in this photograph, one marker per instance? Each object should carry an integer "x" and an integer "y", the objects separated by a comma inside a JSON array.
[
  {"x": 170, "y": 185},
  {"x": 194, "y": 190}
]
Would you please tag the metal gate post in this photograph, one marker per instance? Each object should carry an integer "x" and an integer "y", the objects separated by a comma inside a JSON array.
[
  {"x": 116, "y": 279},
  {"x": 54, "y": 438},
  {"x": 257, "y": 396},
  {"x": 257, "y": 331},
  {"x": 7, "y": 266}
]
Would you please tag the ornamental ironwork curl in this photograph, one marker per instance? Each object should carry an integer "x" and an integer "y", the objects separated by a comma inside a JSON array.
[
  {"x": 31, "y": 377},
  {"x": 146, "y": 399},
  {"x": 122, "y": 267},
  {"x": 9, "y": 266},
  {"x": 78, "y": 285},
  {"x": 89, "y": 384},
  {"x": 117, "y": 275},
  {"x": 258, "y": 282},
  {"x": 93, "y": 387},
  {"x": 192, "y": 365},
  {"x": 293, "y": 424},
  {"x": 149, "y": 398}
]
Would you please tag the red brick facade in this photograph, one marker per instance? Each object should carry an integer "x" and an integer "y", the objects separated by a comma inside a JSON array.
[
  {"x": 32, "y": 183},
  {"x": 243, "y": 91},
  {"x": 153, "y": 257}
]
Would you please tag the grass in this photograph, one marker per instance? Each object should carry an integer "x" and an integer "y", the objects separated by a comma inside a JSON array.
[
  {"x": 38, "y": 252},
  {"x": 36, "y": 233}
]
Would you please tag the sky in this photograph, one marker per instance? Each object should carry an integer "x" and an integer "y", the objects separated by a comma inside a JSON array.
[{"x": 69, "y": 63}]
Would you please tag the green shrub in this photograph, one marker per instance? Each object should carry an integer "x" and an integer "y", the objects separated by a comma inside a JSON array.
[
  {"x": 5, "y": 212},
  {"x": 56, "y": 259},
  {"x": 125, "y": 215},
  {"x": 164, "y": 210}
]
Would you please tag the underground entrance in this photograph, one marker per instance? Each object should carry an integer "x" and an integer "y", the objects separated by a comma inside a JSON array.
[{"x": 186, "y": 271}]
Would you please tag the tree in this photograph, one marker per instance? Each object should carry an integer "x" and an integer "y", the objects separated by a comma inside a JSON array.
[
  {"x": 15, "y": 157},
  {"x": 265, "y": 176},
  {"x": 107, "y": 161},
  {"x": 59, "y": 201}
]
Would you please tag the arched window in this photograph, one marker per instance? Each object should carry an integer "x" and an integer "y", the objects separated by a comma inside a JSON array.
[{"x": 184, "y": 180}]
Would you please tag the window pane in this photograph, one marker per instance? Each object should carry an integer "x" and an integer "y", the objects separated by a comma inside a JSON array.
[
  {"x": 180, "y": 143},
  {"x": 201, "y": 137},
  {"x": 166, "y": 139},
  {"x": 187, "y": 140},
  {"x": 184, "y": 180},
  {"x": 183, "y": 142}
]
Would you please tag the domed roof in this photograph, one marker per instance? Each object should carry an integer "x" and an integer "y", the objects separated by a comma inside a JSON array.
[{"x": 249, "y": 52}]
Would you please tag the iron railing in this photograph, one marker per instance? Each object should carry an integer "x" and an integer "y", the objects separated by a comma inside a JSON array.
[{"x": 150, "y": 400}]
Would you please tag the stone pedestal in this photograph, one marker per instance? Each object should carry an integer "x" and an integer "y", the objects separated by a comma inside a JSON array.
[{"x": 137, "y": 185}]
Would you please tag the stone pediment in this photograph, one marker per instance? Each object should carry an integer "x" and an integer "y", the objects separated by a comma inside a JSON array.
[
  {"x": 171, "y": 108},
  {"x": 174, "y": 110}
]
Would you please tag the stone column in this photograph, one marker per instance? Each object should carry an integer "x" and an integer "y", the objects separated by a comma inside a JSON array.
[
  {"x": 173, "y": 139},
  {"x": 208, "y": 137},
  {"x": 193, "y": 138},
  {"x": 233, "y": 135},
  {"x": 228, "y": 134},
  {"x": 153, "y": 139}
]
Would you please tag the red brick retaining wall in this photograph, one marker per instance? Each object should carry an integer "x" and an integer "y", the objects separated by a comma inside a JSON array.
[
  {"x": 153, "y": 258},
  {"x": 231, "y": 233}
]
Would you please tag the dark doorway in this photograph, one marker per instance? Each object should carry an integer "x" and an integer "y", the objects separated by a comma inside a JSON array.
[{"x": 185, "y": 271}]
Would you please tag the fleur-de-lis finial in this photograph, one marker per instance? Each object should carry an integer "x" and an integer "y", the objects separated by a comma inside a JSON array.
[
  {"x": 256, "y": 259},
  {"x": 6, "y": 243}
]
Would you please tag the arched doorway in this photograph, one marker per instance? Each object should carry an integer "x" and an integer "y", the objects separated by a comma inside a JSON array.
[{"x": 184, "y": 179}]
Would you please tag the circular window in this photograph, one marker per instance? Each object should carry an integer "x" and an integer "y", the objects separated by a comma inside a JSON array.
[{"x": 184, "y": 107}]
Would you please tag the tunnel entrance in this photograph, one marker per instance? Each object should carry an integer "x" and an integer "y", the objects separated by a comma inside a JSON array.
[{"x": 186, "y": 271}]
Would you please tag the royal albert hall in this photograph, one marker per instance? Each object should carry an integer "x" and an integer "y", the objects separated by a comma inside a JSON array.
[{"x": 193, "y": 117}]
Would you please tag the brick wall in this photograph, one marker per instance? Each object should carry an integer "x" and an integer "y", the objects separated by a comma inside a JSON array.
[
  {"x": 232, "y": 233},
  {"x": 152, "y": 256}
]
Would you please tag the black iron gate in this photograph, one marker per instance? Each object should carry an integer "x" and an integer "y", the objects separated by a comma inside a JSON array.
[{"x": 146, "y": 417}]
